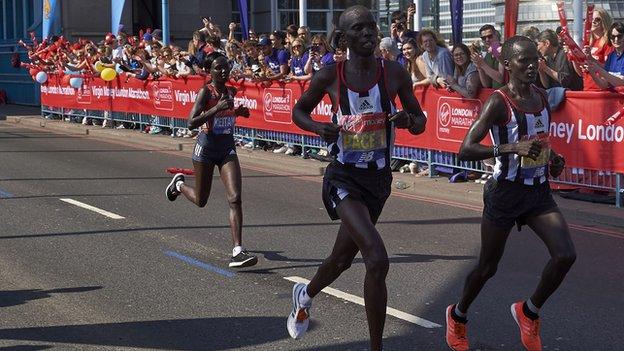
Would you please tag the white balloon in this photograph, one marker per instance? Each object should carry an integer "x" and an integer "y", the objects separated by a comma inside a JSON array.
[
  {"x": 41, "y": 77},
  {"x": 75, "y": 82}
]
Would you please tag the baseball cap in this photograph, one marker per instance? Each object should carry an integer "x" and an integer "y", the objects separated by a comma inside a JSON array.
[{"x": 264, "y": 41}]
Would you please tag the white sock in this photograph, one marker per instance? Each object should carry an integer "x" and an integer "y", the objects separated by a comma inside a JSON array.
[
  {"x": 237, "y": 250},
  {"x": 178, "y": 184},
  {"x": 304, "y": 298},
  {"x": 532, "y": 307}
]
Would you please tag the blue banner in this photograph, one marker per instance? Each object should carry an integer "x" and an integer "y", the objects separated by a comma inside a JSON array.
[
  {"x": 51, "y": 16},
  {"x": 457, "y": 20},
  {"x": 116, "y": 10},
  {"x": 244, "y": 20}
]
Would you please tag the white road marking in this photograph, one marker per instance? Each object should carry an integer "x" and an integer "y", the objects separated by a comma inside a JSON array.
[
  {"x": 360, "y": 301},
  {"x": 93, "y": 208}
]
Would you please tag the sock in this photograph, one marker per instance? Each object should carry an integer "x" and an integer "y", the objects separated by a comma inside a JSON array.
[
  {"x": 458, "y": 315},
  {"x": 530, "y": 310},
  {"x": 237, "y": 250},
  {"x": 178, "y": 184},
  {"x": 304, "y": 298}
]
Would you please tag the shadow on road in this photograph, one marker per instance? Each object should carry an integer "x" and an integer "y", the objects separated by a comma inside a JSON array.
[
  {"x": 276, "y": 256},
  {"x": 276, "y": 225},
  {"x": 174, "y": 334},
  {"x": 26, "y": 348},
  {"x": 19, "y": 297}
]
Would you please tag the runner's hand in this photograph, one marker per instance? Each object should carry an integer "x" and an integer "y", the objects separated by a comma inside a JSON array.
[
  {"x": 529, "y": 148},
  {"x": 401, "y": 119},
  {"x": 328, "y": 131},
  {"x": 242, "y": 111},
  {"x": 557, "y": 164}
]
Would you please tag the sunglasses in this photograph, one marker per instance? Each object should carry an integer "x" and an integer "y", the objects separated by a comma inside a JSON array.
[
  {"x": 490, "y": 36},
  {"x": 597, "y": 20},
  {"x": 617, "y": 36}
]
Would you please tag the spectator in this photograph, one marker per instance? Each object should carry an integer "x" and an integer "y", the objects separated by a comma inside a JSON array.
[
  {"x": 253, "y": 35},
  {"x": 388, "y": 49},
  {"x": 157, "y": 36},
  {"x": 319, "y": 54},
  {"x": 554, "y": 68},
  {"x": 414, "y": 63},
  {"x": 465, "y": 78},
  {"x": 291, "y": 35},
  {"x": 252, "y": 66},
  {"x": 599, "y": 47},
  {"x": 399, "y": 31},
  {"x": 196, "y": 42},
  {"x": 491, "y": 72},
  {"x": 274, "y": 57},
  {"x": 119, "y": 54},
  {"x": 612, "y": 75},
  {"x": 298, "y": 60},
  {"x": 438, "y": 60},
  {"x": 235, "y": 58},
  {"x": 531, "y": 32},
  {"x": 304, "y": 33}
]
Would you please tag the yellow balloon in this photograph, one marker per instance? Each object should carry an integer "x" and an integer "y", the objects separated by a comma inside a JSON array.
[
  {"x": 99, "y": 66},
  {"x": 108, "y": 74}
]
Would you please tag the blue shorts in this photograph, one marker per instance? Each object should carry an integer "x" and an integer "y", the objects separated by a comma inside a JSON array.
[{"x": 207, "y": 154}]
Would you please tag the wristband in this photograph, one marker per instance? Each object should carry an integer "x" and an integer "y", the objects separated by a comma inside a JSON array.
[{"x": 496, "y": 151}]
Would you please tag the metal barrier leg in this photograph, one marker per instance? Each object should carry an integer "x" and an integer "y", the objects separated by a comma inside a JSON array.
[
  {"x": 430, "y": 163},
  {"x": 618, "y": 191},
  {"x": 303, "y": 148}
]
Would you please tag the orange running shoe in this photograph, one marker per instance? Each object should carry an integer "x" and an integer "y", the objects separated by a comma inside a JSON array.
[
  {"x": 455, "y": 332},
  {"x": 529, "y": 329}
]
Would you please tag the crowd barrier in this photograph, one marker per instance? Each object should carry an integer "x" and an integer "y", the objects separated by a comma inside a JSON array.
[{"x": 593, "y": 151}]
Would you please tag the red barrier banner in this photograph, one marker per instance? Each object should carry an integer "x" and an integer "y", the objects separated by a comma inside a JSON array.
[{"x": 578, "y": 128}]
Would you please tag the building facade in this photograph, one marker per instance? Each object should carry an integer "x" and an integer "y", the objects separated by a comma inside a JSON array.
[{"x": 544, "y": 14}]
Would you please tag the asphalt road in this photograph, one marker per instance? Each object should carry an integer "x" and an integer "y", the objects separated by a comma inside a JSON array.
[{"x": 74, "y": 279}]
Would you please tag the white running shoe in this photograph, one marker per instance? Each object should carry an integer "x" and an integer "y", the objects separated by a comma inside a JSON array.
[
  {"x": 171, "y": 191},
  {"x": 299, "y": 318},
  {"x": 281, "y": 150}
]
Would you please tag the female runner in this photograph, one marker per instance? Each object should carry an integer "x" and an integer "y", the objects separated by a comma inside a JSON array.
[{"x": 215, "y": 115}]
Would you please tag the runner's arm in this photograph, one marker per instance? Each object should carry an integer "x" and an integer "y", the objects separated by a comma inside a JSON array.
[
  {"x": 495, "y": 111},
  {"x": 198, "y": 116},
  {"x": 308, "y": 101}
]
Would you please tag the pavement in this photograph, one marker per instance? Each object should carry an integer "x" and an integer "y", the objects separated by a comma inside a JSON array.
[
  {"x": 94, "y": 257},
  {"x": 436, "y": 187}
]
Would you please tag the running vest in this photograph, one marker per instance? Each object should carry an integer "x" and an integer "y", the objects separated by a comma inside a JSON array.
[
  {"x": 366, "y": 137},
  {"x": 223, "y": 121},
  {"x": 522, "y": 125}
]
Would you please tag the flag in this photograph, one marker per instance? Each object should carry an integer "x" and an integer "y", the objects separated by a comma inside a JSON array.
[
  {"x": 51, "y": 16},
  {"x": 457, "y": 20},
  {"x": 116, "y": 10},
  {"x": 511, "y": 17},
  {"x": 244, "y": 20}
]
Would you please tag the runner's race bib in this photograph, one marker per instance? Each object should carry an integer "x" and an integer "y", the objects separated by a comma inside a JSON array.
[
  {"x": 363, "y": 137},
  {"x": 530, "y": 168},
  {"x": 223, "y": 124}
]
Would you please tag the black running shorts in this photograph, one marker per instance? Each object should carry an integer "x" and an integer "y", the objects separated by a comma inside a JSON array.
[
  {"x": 371, "y": 187},
  {"x": 213, "y": 149},
  {"x": 506, "y": 203}
]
